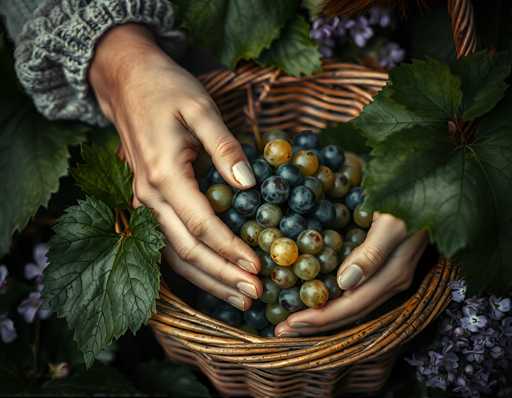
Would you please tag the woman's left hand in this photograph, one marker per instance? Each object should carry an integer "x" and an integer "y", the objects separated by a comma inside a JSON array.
[{"x": 378, "y": 269}]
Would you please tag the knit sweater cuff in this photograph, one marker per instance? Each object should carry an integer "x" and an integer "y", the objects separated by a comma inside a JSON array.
[{"x": 56, "y": 47}]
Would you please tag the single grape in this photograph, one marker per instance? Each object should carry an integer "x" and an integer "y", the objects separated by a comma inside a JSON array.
[
  {"x": 291, "y": 174},
  {"x": 313, "y": 223},
  {"x": 306, "y": 267},
  {"x": 262, "y": 170},
  {"x": 268, "y": 215},
  {"x": 277, "y": 152},
  {"x": 362, "y": 217},
  {"x": 250, "y": 151},
  {"x": 310, "y": 241},
  {"x": 274, "y": 135},
  {"x": 270, "y": 291},
  {"x": 267, "y": 265},
  {"x": 331, "y": 284},
  {"x": 250, "y": 232},
  {"x": 342, "y": 217},
  {"x": 353, "y": 169},
  {"x": 355, "y": 236},
  {"x": 332, "y": 156},
  {"x": 341, "y": 186},
  {"x": 306, "y": 161},
  {"x": 328, "y": 260},
  {"x": 290, "y": 300},
  {"x": 284, "y": 251},
  {"x": 283, "y": 277},
  {"x": 302, "y": 199},
  {"x": 267, "y": 332},
  {"x": 333, "y": 239},
  {"x": 346, "y": 249},
  {"x": 220, "y": 197},
  {"x": 292, "y": 225},
  {"x": 234, "y": 220},
  {"x": 267, "y": 237},
  {"x": 214, "y": 177},
  {"x": 325, "y": 212},
  {"x": 207, "y": 303},
  {"x": 354, "y": 198},
  {"x": 228, "y": 314},
  {"x": 314, "y": 293},
  {"x": 326, "y": 177},
  {"x": 247, "y": 202},
  {"x": 275, "y": 313},
  {"x": 306, "y": 140},
  {"x": 275, "y": 190},
  {"x": 255, "y": 316},
  {"x": 316, "y": 186}
]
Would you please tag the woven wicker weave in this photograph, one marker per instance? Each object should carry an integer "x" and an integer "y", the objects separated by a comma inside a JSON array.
[{"x": 356, "y": 360}]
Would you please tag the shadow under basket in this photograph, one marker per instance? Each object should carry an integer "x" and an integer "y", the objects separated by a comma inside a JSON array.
[{"x": 358, "y": 359}]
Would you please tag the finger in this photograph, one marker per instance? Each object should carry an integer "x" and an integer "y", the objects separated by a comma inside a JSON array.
[
  {"x": 206, "y": 282},
  {"x": 226, "y": 152},
  {"x": 395, "y": 277},
  {"x": 383, "y": 237}
]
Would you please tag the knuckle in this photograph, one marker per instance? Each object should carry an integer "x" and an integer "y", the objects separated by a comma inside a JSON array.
[
  {"x": 404, "y": 282},
  {"x": 198, "y": 227},
  {"x": 227, "y": 146},
  {"x": 199, "y": 107},
  {"x": 141, "y": 191},
  {"x": 186, "y": 252},
  {"x": 156, "y": 176},
  {"x": 373, "y": 255}
]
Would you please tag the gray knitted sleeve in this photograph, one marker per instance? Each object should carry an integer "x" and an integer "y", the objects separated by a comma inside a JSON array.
[{"x": 55, "y": 45}]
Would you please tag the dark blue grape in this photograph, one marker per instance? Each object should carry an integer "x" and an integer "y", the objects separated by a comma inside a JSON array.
[
  {"x": 302, "y": 199},
  {"x": 250, "y": 151},
  {"x": 354, "y": 198},
  {"x": 207, "y": 303},
  {"x": 247, "y": 202},
  {"x": 228, "y": 314},
  {"x": 275, "y": 190},
  {"x": 290, "y": 300},
  {"x": 262, "y": 170},
  {"x": 255, "y": 316},
  {"x": 291, "y": 174},
  {"x": 267, "y": 332},
  {"x": 316, "y": 186},
  {"x": 204, "y": 184},
  {"x": 306, "y": 140},
  {"x": 292, "y": 225},
  {"x": 313, "y": 223},
  {"x": 333, "y": 157},
  {"x": 325, "y": 212},
  {"x": 214, "y": 177},
  {"x": 267, "y": 265},
  {"x": 234, "y": 220}
]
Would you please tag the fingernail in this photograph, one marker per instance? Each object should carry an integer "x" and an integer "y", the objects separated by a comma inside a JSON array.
[
  {"x": 299, "y": 325},
  {"x": 243, "y": 174},
  {"x": 237, "y": 302},
  {"x": 350, "y": 277},
  {"x": 288, "y": 334},
  {"x": 248, "y": 266},
  {"x": 248, "y": 289}
]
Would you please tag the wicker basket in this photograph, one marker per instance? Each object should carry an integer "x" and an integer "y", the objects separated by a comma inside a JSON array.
[{"x": 356, "y": 360}]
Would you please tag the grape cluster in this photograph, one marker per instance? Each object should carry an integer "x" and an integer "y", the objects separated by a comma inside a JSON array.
[{"x": 303, "y": 218}]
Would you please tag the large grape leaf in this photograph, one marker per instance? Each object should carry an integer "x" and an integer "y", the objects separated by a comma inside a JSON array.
[
  {"x": 294, "y": 51},
  {"x": 103, "y": 282},
  {"x": 234, "y": 29}
]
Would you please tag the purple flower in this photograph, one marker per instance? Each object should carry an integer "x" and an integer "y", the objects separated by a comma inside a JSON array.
[
  {"x": 390, "y": 55},
  {"x": 361, "y": 31},
  {"x": 33, "y": 306},
  {"x": 472, "y": 321},
  {"x": 506, "y": 325},
  {"x": 4, "y": 273},
  {"x": 458, "y": 290},
  {"x": 379, "y": 16},
  {"x": 499, "y": 306},
  {"x": 35, "y": 270},
  {"x": 7, "y": 331}
]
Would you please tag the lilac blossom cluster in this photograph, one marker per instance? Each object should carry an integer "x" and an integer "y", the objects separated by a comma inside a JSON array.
[
  {"x": 473, "y": 350},
  {"x": 334, "y": 31}
]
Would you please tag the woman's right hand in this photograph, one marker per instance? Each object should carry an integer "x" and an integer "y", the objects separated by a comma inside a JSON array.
[{"x": 164, "y": 116}]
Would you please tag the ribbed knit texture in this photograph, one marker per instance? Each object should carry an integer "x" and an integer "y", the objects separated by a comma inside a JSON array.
[{"x": 55, "y": 42}]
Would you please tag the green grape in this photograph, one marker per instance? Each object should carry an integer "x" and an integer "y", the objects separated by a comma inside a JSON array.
[
  {"x": 250, "y": 232},
  {"x": 269, "y": 215},
  {"x": 277, "y": 152},
  {"x": 310, "y": 241},
  {"x": 342, "y": 218},
  {"x": 346, "y": 249},
  {"x": 267, "y": 265},
  {"x": 326, "y": 176},
  {"x": 283, "y": 277},
  {"x": 306, "y": 267},
  {"x": 328, "y": 260},
  {"x": 275, "y": 313},
  {"x": 316, "y": 186},
  {"x": 274, "y": 135},
  {"x": 333, "y": 239},
  {"x": 353, "y": 169},
  {"x": 220, "y": 197},
  {"x": 341, "y": 186},
  {"x": 362, "y": 217},
  {"x": 355, "y": 236},
  {"x": 270, "y": 291},
  {"x": 267, "y": 236},
  {"x": 306, "y": 161},
  {"x": 284, "y": 251},
  {"x": 331, "y": 284},
  {"x": 314, "y": 293}
]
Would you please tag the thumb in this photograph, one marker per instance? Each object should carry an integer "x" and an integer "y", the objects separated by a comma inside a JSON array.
[{"x": 385, "y": 234}]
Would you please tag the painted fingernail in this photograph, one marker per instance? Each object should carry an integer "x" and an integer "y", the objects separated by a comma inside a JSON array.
[
  {"x": 350, "y": 277},
  {"x": 248, "y": 266},
  {"x": 299, "y": 325},
  {"x": 248, "y": 289},
  {"x": 236, "y": 301},
  {"x": 243, "y": 174},
  {"x": 288, "y": 334}
]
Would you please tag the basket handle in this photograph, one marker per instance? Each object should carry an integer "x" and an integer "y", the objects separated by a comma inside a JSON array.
[{"x": 463, "y": 26}]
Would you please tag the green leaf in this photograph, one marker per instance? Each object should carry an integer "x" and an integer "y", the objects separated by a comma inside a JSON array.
[
  {"x": 103, "y": 282},
  {"x": 483, "y": 82},
  {"x": 427, "y": 88},
  {"x": 104, "y": 176},
  {"x": 314, "y": 6},
  {"x": 294, "y": 51},
  {"x": 234, "y": 29},
  {"x": 347, "y": 136}
]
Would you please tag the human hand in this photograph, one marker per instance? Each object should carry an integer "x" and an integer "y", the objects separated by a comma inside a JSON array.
[
  {"x": 382, "y": 266},
  {"x": 163, "y": 116}
]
